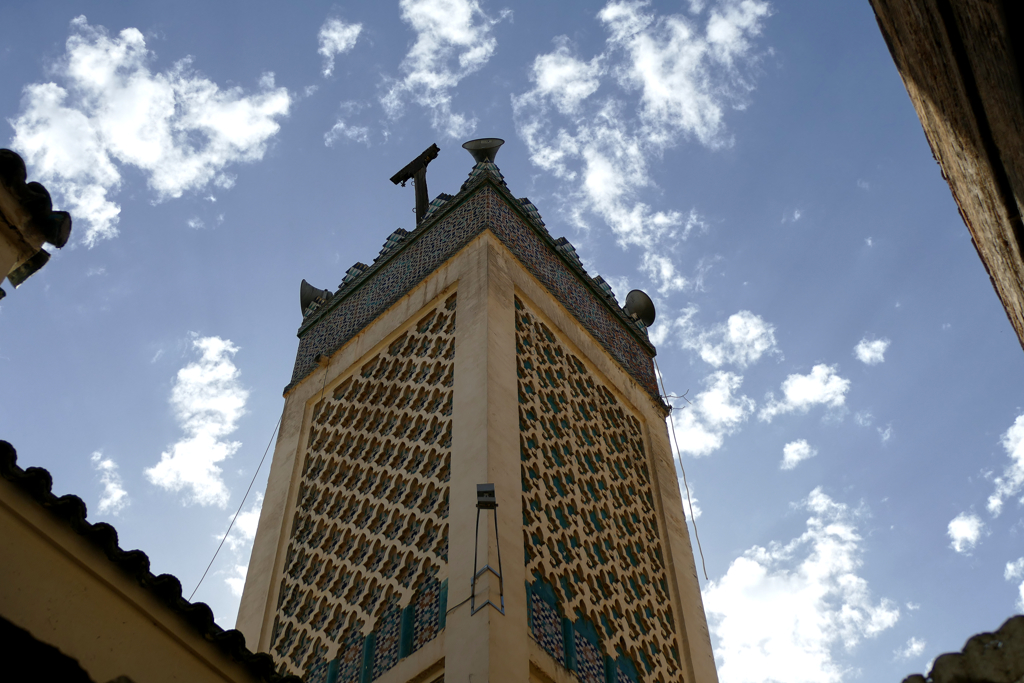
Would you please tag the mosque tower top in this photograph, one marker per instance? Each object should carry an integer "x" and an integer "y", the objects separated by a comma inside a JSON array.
[{"x": 475, "y": 349}]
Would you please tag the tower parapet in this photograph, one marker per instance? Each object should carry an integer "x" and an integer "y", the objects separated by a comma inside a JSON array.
[{"x": 483, "y": 203}]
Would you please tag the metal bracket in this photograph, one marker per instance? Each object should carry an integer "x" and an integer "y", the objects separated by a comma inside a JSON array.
[{"x": 485, "y": 501}]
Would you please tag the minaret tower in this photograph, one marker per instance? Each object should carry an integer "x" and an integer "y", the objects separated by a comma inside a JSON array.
[{"x": 474, "y": 350}]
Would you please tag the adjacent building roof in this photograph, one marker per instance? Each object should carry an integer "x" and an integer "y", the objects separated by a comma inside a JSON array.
[
  {"x": 27, "y": 220},
  {"x": 37, "y": 483}
]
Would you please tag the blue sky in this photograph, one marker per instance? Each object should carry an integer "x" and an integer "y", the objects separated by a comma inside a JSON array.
[{"x": 855, "y": 441}]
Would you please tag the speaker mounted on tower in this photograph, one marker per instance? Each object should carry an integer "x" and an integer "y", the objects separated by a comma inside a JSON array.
[
  {"x": 640, "y": 307},
  {"x": 483, "y": 149},
  {"x": 308, "y": 294}
]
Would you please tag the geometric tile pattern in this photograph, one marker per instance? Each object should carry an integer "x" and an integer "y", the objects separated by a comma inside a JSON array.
[
  {"x": 589, "y": 662},
  {"x": 590, "y": 525},
  {"x": 426, "y": 618},
  {"x": 388, "y": 631},
  {"x": 316, "y": 665},
  {"x": 621, "y": 676},
  {"x": 371, "y": 519},
  {"x": 483, "y": 204},
  {"x": 350, "y": 656},
  {"x": 547, "y": 628}
]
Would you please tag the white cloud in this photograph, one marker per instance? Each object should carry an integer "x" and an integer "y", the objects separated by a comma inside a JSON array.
[
  {"x": 564, "y": 78},
  {"x": 208, "y": 401},
  {"x": 691, "y": 503},
  {"x": 114, "y": 498},
  {"x": 779, "y": 613},
  {"x": 741, "y": 340},
  {"x": 663, "y": 271},
  {"x": 453, "y": 40},
  {"x": 336, "y": 38},
  {"x": 913, "y": 648},
  {"x": 964, "y": 531},
  {"x": 670, "y": 58},
  {"x": 715, "y": 413},
  {"x": 703, "y": 269},
  {"x": 885, "y": 434},
  {"x": 659, "y": 333},
  {"x": 1015, "y": 570},
  {"x": 239, "y": 541},
  {"x": 794, "y": 452},
  {"x": 1011, "y": 482},
  {"x": 675, "y": 77},
  {"x": 823, "y": 386},
  {"x": 863, "y": 418},
  {"x": 195, "y": 223},
  {"x": 176, "y": 127},
  {"x": 871, "y": 352},
  {"x": 244, "y": 530},
  {"x": 342, "y": 130},
  {"x": 236, "y": 581}
]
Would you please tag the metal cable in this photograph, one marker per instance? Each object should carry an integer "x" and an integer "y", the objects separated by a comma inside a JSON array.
[
  {"x": 242, "y": 504},
  {"x": 679, "y": 459},
  {"x": 237, "y": 512}
]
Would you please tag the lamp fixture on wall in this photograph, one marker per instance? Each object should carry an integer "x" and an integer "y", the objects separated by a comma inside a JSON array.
[{"x": 486, "y": 500}]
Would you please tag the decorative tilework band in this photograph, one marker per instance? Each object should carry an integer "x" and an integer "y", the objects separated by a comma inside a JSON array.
[
  {"x": 573, "y": 644},
  {"x": 364, "y": 659},
  {"x": 483, "y": 204}
]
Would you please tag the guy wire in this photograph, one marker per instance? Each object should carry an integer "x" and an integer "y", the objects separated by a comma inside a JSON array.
[
  {"x": 679, "y": 458},
  {"x": 238, "y": 511},
  {"x": 253, "y": 481}
]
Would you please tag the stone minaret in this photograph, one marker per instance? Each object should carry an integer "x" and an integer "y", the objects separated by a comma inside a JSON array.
[{"x": 475, "y": 349}]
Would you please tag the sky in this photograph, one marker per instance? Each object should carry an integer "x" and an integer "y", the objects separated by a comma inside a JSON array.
[{"x": 853, "y": 421}]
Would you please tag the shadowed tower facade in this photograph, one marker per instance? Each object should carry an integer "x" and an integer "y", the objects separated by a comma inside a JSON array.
[{"x": 474, "y": 349}]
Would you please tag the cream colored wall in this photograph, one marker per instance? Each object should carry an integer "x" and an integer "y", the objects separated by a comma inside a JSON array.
[
  {"x": 65, "y": 592},
  {"x": 485, "y": 449}
]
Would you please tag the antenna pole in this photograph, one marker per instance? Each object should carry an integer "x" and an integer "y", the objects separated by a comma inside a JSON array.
[
  {"x": 416, "y": 171},
  {"x": 419, "y": 181}
]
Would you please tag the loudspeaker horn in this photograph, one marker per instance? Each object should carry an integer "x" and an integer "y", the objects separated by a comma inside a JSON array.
[
  {"x": 308, "y": 294},
  {"x": 640, "y": 307},
  {"x": 484, "y": 149}
]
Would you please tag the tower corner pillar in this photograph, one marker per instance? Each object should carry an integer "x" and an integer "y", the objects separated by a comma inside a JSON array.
[{"x": 486, "y": 646}]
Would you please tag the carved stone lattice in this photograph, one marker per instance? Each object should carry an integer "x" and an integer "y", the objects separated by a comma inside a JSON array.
[
  {"x": 590, "y": 525},
  {"x": 370, "y": 532}
]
